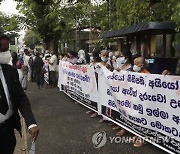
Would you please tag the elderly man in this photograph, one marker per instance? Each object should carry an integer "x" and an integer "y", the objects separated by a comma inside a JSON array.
[
  {"x": 140, "y": 65},
  {"x": 105, "y": 60},
  {"x": 12, "y": 99}
]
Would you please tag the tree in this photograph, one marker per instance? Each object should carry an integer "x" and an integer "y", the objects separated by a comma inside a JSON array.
[
  {"x": 44, "y": 18},
  {"x": 50, "y": 18},
  {"x": 8, "y": 23},
  {"x": 31, "y": 39}
]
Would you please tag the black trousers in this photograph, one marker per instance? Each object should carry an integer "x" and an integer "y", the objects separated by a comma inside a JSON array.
[
  {"x": 7, "y": 138},
  {"x": 39, "y": 79},
  {"x": 52, "y": 80}
]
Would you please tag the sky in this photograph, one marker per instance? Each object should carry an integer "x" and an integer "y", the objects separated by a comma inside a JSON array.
[{"x": 8, "y": 7}]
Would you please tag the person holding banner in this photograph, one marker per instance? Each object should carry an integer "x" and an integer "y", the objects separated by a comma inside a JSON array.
[
  {"x": 140, "y": 65},
  {"x": 127, "y": 66},
  {"x": 105, "y": 61},
  {"x": 96, "y": 59},
  {"x": 72, "y": 57}
]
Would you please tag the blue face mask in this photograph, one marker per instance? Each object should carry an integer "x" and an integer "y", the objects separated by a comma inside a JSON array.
[
  {"x": 122, "y": 60},
  {"x": 104, "y": 59}
]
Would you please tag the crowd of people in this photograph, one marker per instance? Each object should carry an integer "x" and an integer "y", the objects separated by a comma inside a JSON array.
[
  {"x": 114, "y": 61},
  {"x": 31, "y": 66}
]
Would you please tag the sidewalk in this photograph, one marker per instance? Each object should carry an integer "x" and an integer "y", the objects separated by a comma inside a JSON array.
[{"x": 21, "y": 146}]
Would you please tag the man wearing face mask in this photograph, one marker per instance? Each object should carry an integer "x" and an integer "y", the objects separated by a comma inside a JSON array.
[
  {"x": 12, "y": 99},
  {"x": 140, "y": 65},
  {"x": 105, "y": 60}
]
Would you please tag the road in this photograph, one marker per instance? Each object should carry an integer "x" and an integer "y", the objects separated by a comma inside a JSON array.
[{"x": 65, "y": 128}]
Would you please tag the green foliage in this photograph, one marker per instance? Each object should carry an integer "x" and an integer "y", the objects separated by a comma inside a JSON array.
[
  {"x": 8, "y": 23},
  {"x": 52, "y": 20},
  {"x": 31, "y": 39}
]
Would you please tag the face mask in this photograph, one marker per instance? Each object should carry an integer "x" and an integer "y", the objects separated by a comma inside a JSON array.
[
  {"x": 136, "y": 68},
  {"x": 104, "y": 59},
  {"x": 122, "y": 60},
  {"x": 114, "y": 57},
  {"x": 5, "y": 57}
]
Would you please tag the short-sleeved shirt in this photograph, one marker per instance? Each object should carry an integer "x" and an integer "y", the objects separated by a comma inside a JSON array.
[{"x": 53, "y": 61}]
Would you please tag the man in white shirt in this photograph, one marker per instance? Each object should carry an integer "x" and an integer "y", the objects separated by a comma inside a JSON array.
[{"x": 52, "y": 70}]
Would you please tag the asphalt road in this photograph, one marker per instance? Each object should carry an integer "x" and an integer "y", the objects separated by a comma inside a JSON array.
[{"x": 65, "y": 128}]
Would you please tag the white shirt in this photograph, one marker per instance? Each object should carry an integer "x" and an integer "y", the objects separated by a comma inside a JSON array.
[
  {"x": 9, "y": 113},
  {"x": 53, "y": 61},
  {"x": 26, "y": 60},
  {"x": 10, "y": 110}
]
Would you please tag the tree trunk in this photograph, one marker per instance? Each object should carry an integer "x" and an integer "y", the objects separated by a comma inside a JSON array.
[
  {"x": 47, "y": 43},
  {"x": 51, "y": 44},
  {"x": 54, "y": 45}
]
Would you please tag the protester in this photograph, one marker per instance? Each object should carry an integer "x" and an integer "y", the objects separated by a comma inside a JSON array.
[
  {"x": 104, "y": 60},
  {"x": 127, "y": 62},
  {"x": 63, "y": 57},
  {"x": 38, "y": 70},
  {"x": 14, "y": 58},
  {"x": 140, "y": 66},
  {"x": 167, "y": 72},
  {"x": 26, "y": 66},
  {"x": 72, "y": 58},
  {"x": 20, "y": 68},
  {"x": 52, "y": 69},
  {"x": 127, "y": 66},
  {"x": 13, "y": 99},
  {"x": 112, "y": 60},
  {"x": 95, "y": 60},
  {"x": 87, "y": 57},
  {"x": 31, "y": 65},
  {"x": 81, "y": 57}
]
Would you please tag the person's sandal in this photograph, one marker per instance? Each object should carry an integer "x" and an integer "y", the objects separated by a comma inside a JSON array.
[{"x": 121, "y": 132}]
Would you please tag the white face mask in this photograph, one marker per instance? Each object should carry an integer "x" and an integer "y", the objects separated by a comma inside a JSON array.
[
  {"x": 114, "y": 57},
  {"x": 104, "y": 59},
  {"x": 5, "y": 57},
  {"x": 136, "y": 68}
]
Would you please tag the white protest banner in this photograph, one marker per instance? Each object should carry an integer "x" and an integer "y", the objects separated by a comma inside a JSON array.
[
  {"x": 147, "y": 105},
  {"x": 79, "y": 82}
]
